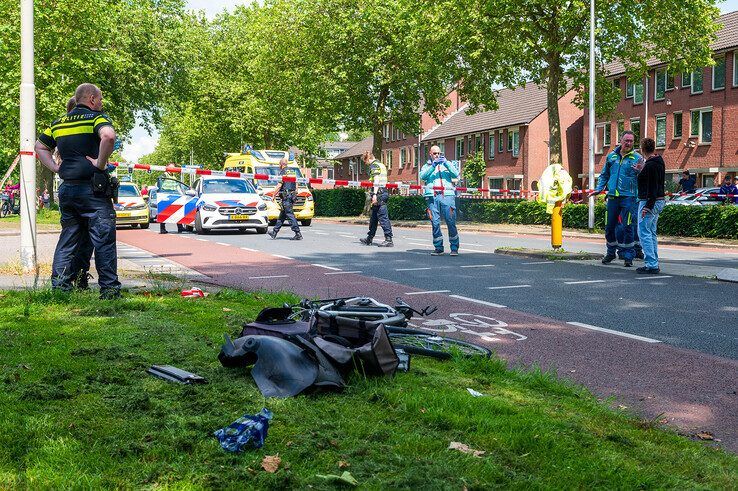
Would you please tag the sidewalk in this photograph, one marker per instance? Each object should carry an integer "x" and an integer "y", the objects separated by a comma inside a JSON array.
[
  {"x": 136, "y": 268},
  {"x": 543, "y": 230}
]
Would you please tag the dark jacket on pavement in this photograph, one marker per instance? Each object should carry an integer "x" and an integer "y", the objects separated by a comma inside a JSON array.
[{"x": 651, "y": 181}]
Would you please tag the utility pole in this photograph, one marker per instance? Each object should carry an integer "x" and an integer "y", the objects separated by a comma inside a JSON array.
[
  {"x": 591, "y": 111},
  {"x": 27, "y": 140}
]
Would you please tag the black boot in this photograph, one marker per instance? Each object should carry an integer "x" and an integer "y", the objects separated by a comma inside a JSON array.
[
  {"x": 366, "y": 241},
  {"x": 387, "y": 243},
  {"x": 298, "y": 236},
  {"x": 273, "y": 234}
]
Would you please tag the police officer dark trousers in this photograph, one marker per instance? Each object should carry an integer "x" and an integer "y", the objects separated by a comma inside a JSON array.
[
  {"x": 379, "y": 196},
  {"x": 84, "y": 138},
  {"x": 286, "y": 191}
]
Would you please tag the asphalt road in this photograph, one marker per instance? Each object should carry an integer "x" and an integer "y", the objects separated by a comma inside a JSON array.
[{"x": 686, "y": 312}]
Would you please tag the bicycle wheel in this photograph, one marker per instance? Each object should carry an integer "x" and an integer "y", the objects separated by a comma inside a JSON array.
[{"x": 421, "y": 343}]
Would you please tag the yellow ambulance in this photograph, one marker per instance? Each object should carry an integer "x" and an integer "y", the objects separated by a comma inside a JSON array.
[{"x": 267, "y": 162}]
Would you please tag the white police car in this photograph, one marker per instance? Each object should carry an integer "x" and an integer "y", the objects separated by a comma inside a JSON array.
[{"x": 227, "y": 203}]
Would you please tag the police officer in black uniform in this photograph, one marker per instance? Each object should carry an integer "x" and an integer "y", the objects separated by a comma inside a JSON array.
[
  {"x": 84, "y": 138},
  {"x": 287, "y": 192}
]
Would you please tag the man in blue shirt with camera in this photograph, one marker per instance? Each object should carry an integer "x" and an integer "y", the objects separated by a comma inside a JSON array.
[{"x": 440, "y": 195}]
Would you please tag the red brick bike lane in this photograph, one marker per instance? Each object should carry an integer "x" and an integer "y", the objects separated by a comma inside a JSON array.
[{"x": 693, "y": 391}]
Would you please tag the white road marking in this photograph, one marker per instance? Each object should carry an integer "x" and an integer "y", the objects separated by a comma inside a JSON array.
[
  {"x": 267, "y": 277},
  {"x": 348, "y": 236},
  {"x": 326, "y": 267},
  {"x": 422, "y": 244},
  {"x": 583, "y": 282},
  {"x": 429, "y": 291},
  {"x": 471, "y": 250},
  {"x": 540, "y": 262},
  {"x": 509, "y": 286},
  {"x": 478, "y": 266},
  {"x": 222, "y": 243},
  {"x": 654, "y": 277},
  {"x": 283, "y": 257},
  {"x": 344, "y": 272},
  {"x": 482, "y": 302},
  {"x": 617, "y": 333},
  {"x": 412, "y": 269},
  {"x": 321, "y": 233},
  {"x": 249, "y": 249},
  {"x": 203, "y": 240}
]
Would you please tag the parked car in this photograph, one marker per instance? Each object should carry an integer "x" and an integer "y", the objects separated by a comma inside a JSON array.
[
  {"x": 166, "y": 185},
  {"x": 228, "y": 203},
  {"x": 131, "y": 209},
  {"x": 701, "y": 197}
]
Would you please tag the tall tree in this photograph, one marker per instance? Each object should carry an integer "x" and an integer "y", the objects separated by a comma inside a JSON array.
[{"x": 498, "y": 42}]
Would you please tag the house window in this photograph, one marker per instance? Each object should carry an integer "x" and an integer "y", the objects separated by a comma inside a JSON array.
[
  {"x": 697, "y": 82},
  {"x": 635, "y": 127},
  {"x": 735, "y": 71},
  {"x": 514, "y": 183},
  {"x": 389, "y": 159},
  {"x": 491, "y": 146},
  {"x": 686, "y": 79},
  {"x": 403, "y": 157},
  {"x": 442, "y": 146},
  {"x": 621, "y": 128},
  {"x": 677, "y": 125},
  {"x": 606, "y": 135},
  {"x": 718, "y": 74},
  {"x": 616, "y": 83},
  {"x": 629, "y": 89},
  {"x": 330, "y": 172},
  {"x": 706, "y": 126},
  {"x": 599, "y": 138},
  {"x": 664, "y": 81},
  {"x": 694, "y": 123},
  {"x": 470, "y": 143},
  {"x": 496, "y": 183},
  {"x": 708, "y": 180},
  {"x": 638, "y": 93},
  {"x": 500, "y": 142},
  {"x": 478, "y": 144},
  {"x": 416, "y": 156},
  {"x": 385, "y": 131},
  {"x": 459, "y": 148},
  {"x": 661, "y": 131},
  {"x": 513, "y": 141}
]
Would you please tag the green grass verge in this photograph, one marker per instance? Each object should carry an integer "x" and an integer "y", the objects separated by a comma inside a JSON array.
[
  {"x": 79, "y": 411},
  {"x": 44, "y": 216}
]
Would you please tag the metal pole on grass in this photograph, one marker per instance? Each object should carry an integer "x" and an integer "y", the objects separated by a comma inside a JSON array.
[
  {"x": 27, "y": 139},
  {"x": 591, "y": 110}
]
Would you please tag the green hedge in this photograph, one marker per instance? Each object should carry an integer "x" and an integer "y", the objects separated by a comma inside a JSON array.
[
  {"x": 676, "y": 220},
  {"x": 339, "y": 202}
]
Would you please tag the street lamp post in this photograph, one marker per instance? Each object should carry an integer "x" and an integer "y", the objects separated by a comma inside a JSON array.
[
  {"x": 27, "y": 140},
  {"x": 591, "y": 110}
]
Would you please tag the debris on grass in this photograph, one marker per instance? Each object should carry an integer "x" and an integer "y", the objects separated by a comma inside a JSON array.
[
  {"x": 270, "y": 463},
  {"x": 345, "y": 478},
  {"x": 246, "y": 430},
  {"x": 474, "y": 392},
  {"x": 465, "y": 449}
]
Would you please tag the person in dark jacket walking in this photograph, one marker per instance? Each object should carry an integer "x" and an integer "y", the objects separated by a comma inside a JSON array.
[{"x": 650, "y": 204}]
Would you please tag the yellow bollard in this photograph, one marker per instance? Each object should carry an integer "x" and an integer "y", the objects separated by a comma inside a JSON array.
[{"x": 556, "y": 225}]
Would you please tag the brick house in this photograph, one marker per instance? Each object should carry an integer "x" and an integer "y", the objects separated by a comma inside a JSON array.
[
  {"x": 349, "y": 165},
  {"x": 513, "y": 138},
  {"x": 401, "y": 152},
  {"x": 693, "y": 117}
]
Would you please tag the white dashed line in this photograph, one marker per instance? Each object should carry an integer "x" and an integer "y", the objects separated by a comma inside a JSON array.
[
  {"x": 203, "y": 240},
  {"x": 348, "y": 236},
  {"x": 508, "y": 286},
  {"x": 321, "y": 233},
  {"x": 412, "y": 269},
  {"x": 478, "y": 266},
  {"x": 222, "y": 243},
  {"x": 429, "y": 291},
  {"x": 283, "y": 257},
  {"x": 267, "y": 277},
  {"x": 471, "y": 250},
  {"x": 585, "y": 282},
  {"x": 617, "y": 333},
  {"x": 654, "y": 277},
  {"x": 249, "y": 249},
  {"x": 326, "y": 267},
  {"x": 540, "y": 262},
  {"x": 344, "y": 272},
  {"x": 482, "y": 302}
]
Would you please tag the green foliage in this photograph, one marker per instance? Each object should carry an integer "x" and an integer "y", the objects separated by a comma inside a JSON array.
[
  {"x": 79, "y": 411},
  {"x": 407, "y": 208},
  {"x": 718, "y": 221},
  {"x": 125, "y": 47},
  {"x": 339, "y": 202},
  {"x": 475, "y": 167}
]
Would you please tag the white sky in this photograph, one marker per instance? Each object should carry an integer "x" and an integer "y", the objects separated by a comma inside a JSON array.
[{"x": 142, "y": 143}]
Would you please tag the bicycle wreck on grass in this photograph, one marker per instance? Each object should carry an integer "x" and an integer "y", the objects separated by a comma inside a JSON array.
[{"x": 317, "y": 343}]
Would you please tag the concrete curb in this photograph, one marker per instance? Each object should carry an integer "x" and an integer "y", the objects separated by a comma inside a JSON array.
[
  {"x": 728, "y": 274},
  {"x": 567, "y": 233},
  {"x": 10, "y": 233},
  {"x": 549, "y": 255}
]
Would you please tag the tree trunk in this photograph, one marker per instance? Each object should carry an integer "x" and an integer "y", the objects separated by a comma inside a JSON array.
[
  {"x": 552, "y": 101},
  {"x": 378, "y": 122}
]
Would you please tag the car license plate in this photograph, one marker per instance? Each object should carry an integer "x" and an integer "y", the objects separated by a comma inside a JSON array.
[
  {"x": 239, "y": 217},
  {"x": 124, "y": 214}
]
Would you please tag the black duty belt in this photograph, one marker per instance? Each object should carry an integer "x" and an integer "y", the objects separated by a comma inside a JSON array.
[{"x": 77, "y": 181}]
